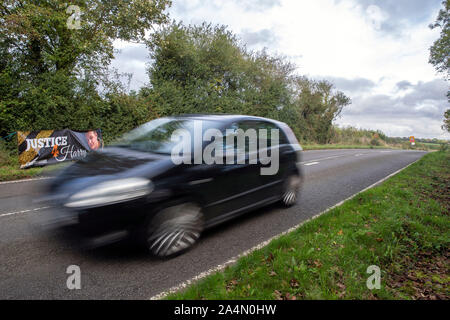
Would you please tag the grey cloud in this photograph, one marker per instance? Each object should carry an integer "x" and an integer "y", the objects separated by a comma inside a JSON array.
[
  {"x": 351, "y": 85},
  {"x": 386, "y": 106},
  {"x": 420, "y": 110},
  {"x": 264, "y": 36},
  {"x": 139, "y": 53},
  {"x": 133, "y": 60},
  {"x": 402, "y": 85},
  {"x": 183, "y": 6},
  {"x": 397, "y": 127},
  {"x": 258, "y": 5},
  {"x": 401, "y": 11},
  {"x": 425, "y": 91}
]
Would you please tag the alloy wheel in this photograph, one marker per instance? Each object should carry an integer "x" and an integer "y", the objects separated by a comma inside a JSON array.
[{"x": 175, "y": 229}]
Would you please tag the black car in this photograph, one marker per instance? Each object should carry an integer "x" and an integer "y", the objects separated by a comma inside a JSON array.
[{"x": 137, "y": 185}]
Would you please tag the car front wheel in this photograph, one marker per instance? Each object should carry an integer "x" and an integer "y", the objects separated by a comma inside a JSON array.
[
  {"x": 291, "y": 190},
  {"x": 174, "y": 229}
]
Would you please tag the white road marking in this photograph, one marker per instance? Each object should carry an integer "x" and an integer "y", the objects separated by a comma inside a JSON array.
[
  {"x": 333, "y": 157},
  {"x": 23, "y": 211},
  {"x": 25, "y": 180},
  {"x": 311, "y": 163},
  {"x": 233, "y": 260}
]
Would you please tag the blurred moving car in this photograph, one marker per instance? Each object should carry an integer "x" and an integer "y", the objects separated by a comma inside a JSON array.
[{"x": 134, "y": 185}]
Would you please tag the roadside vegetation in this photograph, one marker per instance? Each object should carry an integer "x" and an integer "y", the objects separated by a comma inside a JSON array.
[
  {"x": 55, "y": 77},
  {"x": 401, "y": 226},
  {"x": 342, "y": 138},
  {"x": 354, "y": 138},
  {"x": 10, "y": 167}
]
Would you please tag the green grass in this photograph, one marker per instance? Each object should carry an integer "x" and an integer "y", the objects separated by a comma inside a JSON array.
[
  {"x": 428, "y": 146},
  {"x": 10, "y": 168},
  {"x": 402, "y": 226},
  {"x": 341, "y": 146},
  {"x": 418, "y": 146}
]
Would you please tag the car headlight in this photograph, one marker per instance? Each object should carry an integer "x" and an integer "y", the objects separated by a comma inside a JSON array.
[{"x": 110, "y": 192}]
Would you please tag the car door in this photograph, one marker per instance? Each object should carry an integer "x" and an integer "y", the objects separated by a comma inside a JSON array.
[
  {"x": 278, "y": 152},
  {"x": 238, "y": 180}
]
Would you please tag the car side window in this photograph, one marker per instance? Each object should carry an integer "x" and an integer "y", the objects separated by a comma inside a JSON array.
[
  {"x": 228, "y": 142},
  {"x": 251, "y": 139},
  {"x": 269, "y": 127},
  {"x": 251, "y": 144}
]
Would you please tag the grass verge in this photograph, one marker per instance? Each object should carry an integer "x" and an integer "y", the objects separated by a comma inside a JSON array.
[
  {"x": 342, "y": 146},
  {"x": 405, "y": 146},
  {"x": 401, "y": 226},
  {"x": 10, "y": 168}
]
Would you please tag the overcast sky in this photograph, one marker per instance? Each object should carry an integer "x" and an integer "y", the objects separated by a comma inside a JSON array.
[{"x": 376, "y": 51}]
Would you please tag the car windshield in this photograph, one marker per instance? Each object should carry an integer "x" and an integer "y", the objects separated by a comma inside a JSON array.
[{"x": 156, "y": 135}]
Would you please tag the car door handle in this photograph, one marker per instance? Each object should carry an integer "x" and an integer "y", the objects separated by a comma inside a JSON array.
[{"x": 194, "y": 182}]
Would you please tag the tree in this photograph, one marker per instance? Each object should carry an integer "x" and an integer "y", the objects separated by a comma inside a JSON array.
[
  {"x": 38, "y": 33},
  {"x": 316, "y": 105},
  {"x": 55, "y": 76},
  {"x": 446, "y": 125},
  {"x": 440, "y": 50},
  {"x": 206, "y": 69}
]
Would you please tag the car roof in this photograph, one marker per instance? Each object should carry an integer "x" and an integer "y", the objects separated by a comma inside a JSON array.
[{"x": 223, "y": 117}]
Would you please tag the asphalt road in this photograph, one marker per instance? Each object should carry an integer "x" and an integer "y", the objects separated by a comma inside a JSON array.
[{"x": 33, "y": 261}]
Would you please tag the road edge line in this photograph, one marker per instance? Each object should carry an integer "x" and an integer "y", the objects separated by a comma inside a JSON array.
[
  {"x": 22, "y": 211},
  {"x": 233, "y": 260},
  {"x": 24, "y": 180}
]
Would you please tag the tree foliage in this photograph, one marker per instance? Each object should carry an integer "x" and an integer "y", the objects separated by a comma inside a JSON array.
[
  {"x": 446, "y": 125},
  {"x": 315, "y": 105},
  {"x": 54, "y": 76},
  {"x": 440, "y": 50},
  {"x": 206, "y": 69}
]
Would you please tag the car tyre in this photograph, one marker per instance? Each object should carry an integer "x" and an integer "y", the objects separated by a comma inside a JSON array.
[
  {"x": 291, "y": 190},
  {"x": 174, "y": 229}
]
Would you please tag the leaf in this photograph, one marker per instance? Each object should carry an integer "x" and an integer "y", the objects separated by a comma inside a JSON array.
[
  {"x": 341, "y": 286},
  {"x": 317, "y": 263},
  {"x": 294, "y": 283},
  {"x": 277, "y": 295},
  {"x": 231, "y": 285},
  {"x": 293, "y": 262},
  {"x": 269, "y": 258}
]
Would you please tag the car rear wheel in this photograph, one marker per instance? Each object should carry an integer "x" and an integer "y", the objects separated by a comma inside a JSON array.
[
  {"x": 291, "y": 190},
  {"x": 174, "y": 229}
]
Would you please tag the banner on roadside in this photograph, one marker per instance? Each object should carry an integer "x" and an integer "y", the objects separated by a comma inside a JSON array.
[{"x": 44, "y": 147}]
